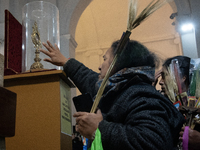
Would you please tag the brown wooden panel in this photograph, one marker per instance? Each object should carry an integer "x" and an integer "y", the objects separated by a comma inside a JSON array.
[
  {"x": 38, "y": 124},
  {"x": 66, "y": 142},
  {"x": 7, "y": 112}
]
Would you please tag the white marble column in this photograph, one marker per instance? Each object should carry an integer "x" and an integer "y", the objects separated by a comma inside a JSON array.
[
  {"x": 67, "y": 48},
  {"x": 67, "y": 45},
  {"x": 2, "y": 139}
]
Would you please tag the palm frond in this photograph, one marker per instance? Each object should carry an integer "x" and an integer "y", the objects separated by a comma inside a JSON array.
[
  {"x": 121, "y": 46},
  {"x": 150, "y": 9},
  {"x": 171, "y": 86},
  {"x": 132, "y": 13},
  {"x": 133, "y": 22}
]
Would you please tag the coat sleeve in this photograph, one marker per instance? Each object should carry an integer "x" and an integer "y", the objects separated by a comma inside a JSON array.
[
  {"x": 146, "y": 125},
  {"x": 83, "y": 77}
]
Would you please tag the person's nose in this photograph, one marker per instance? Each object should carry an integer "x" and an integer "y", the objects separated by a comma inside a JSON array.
[
  {"x": 99, "y": 67},
  {"x": 161, "y": 81}
]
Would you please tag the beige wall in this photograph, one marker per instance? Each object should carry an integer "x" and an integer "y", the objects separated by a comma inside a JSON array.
[{"x": 104, "y": 21}]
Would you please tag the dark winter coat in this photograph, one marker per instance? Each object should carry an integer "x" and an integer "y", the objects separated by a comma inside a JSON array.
[{"x": 135, "y": 118}]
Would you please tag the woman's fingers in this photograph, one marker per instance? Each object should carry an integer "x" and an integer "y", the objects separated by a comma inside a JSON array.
[
  {"x": 49, "y": 48},
  {"x": 56, "y": 46},
  {"x": 181, "y": 133},
  {"x": 45, "y": 52},
  {"x": 50, "y": 45},
  {"x": 48, "y": 60}
]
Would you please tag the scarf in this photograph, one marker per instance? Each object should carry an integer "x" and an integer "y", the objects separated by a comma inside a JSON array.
[{"x": 125, "y": 76}]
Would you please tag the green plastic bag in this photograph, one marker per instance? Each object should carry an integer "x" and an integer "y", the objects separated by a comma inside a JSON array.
[{"x": 97, "y": 144}]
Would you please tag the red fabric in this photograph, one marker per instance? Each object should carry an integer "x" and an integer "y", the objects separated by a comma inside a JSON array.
[{"x": 13, "y": 45}]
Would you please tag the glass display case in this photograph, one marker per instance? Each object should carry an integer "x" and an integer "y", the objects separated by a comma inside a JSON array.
[{"x": 40, "y": 22}]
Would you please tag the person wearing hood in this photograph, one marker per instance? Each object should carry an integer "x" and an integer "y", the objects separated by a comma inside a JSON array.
[
  {"x": 132, "y": 114},
  {"x": 184, "y": 66}
]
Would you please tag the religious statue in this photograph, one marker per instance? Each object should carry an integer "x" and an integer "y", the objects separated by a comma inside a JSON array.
[{"x": 35, "y": 36}]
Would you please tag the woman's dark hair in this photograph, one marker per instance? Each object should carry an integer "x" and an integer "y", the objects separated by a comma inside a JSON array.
[
  {"x": 134, "y": 55},
  {"x": 184, "y": 64}
]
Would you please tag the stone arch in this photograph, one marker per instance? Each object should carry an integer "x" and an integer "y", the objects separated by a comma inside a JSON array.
[
  {"x": 81, "y": 6},
  {"x": 173, "y": 6},
  {"x": 70, "y": 13},
  {"x": 103, "y": 34}
]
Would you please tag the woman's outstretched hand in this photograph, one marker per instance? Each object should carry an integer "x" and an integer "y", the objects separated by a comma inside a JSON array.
[{"x": 56, "y": 57}]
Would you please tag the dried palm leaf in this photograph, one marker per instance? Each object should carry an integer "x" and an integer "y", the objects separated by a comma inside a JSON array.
[
  {"x": 150, "y": 9},
  {"x": 170, "y": 85},
  {"x": 120, "y": 48},
  {"x": 133, "y": 22},
  {"x": 197, "y": 92},
  {"x": 132, "y": 13}
]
